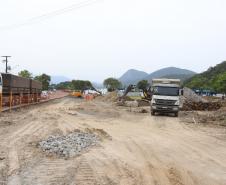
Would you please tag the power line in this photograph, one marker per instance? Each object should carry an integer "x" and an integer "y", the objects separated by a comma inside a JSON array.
[
  {"x": 64, "y": 10},
  {"x": 49, "y": 15}
]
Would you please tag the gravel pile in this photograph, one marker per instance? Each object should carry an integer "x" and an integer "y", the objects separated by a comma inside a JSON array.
[
  {"x": 70, "y": 145},
  {"x": 190, "y": 96}
]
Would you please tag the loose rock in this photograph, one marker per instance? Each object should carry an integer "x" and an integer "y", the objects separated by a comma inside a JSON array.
[{"x": 70, "y": 145}]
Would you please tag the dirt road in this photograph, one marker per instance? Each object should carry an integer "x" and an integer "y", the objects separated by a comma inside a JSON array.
[{"x": 142, "y": 150}]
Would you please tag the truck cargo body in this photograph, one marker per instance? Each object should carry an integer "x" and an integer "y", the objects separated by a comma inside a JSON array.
[
  {"x": 18, "y": 85},
  {"x": 35, "y": 87}
]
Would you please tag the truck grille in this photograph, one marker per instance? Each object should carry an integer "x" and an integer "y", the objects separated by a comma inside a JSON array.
[{"x": 165, "y": 102}]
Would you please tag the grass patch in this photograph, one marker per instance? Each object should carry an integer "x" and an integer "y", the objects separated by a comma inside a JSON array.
[{"x": 136, "y": 97}]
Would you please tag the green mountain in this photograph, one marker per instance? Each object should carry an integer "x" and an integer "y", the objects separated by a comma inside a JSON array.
[
  {"x": 213, "y": 79},
  {"x": 132, "y": 76},
  {"x": 171, "y": 72}
]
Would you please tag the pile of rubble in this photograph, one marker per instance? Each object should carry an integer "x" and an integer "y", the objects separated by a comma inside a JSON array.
[
  {"x": 111, "y": 97},
  {"x": 70, "y": 145},
  {"x": 192, "y": 101},
  {"x": 190, "y": 96},
  {"x": 201, "y": 106},
  {"x": 201, "y": 117}
]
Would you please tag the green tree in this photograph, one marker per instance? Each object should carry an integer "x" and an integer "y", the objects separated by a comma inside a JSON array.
[
  {"x": 112, "y": 84},
  {"x": 220, "y": 83},
  {"x": 143, "y": 84},
  {"x": 45, "y": 80},
  {"x": 64, "y": 85},
  {"x": 81, "y": 85},
  {"x": 25, "y": 73}
]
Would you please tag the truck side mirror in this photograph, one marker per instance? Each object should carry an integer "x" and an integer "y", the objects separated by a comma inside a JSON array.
[{"x": 182, "y": 92}]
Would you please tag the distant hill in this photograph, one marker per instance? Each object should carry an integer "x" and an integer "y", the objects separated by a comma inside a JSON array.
[
  {"x": 213, "y": 79},
  {"x": 171, "y": 72},
  {"x": 58, "y": 79},
  {"x": 132, "y": 76}
]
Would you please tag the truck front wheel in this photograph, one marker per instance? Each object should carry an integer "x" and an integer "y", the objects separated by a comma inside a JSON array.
[
  {"x": 176, "y": 114},
  {"x": 152, "y": 113}
]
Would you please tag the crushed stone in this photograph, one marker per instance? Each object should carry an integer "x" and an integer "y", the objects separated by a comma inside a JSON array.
[{"x": 70, "y": 145}]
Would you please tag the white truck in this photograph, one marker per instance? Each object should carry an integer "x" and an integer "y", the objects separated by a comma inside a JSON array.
[{"x": 166, "y": 96}]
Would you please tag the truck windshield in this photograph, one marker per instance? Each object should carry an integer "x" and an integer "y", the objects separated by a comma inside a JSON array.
[{"x": 166, "y": 91}]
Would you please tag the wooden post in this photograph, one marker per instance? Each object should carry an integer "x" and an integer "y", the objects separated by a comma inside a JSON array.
[
  {"x": 36, "y": 96},
  {"x": 21, "y": 99},
  {"x": 28, "y": 98},
  {"x": 10, "y": 100},
  {"x": 1, "y": 102}
]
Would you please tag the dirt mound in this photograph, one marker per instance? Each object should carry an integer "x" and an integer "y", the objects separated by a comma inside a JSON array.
[
  {"x": 111, "y": 97},
  {"x": 127, "y": 98},
  {"x": 190, "y": 96},
  {"x": 192, "y": 101},
  {"x": 143, "y": 103},
  {"x": 100, "y": 133},
  {"x": 206, "y": 118},
  {"x": 201, "y": 106}
]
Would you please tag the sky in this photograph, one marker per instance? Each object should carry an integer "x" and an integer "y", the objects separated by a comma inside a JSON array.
[{"x": 96, "y": 39}]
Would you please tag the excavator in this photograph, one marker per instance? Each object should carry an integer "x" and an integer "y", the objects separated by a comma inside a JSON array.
[
  {"x": 79, "y": 94},
  {"x": 146, "y": 92},
  {"x": 98, "y": 92}
]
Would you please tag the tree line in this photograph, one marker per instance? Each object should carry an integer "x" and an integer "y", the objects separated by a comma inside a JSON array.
[
  {"x": 79, "y": 85},
  {"x": 43, "y": 78},
  {"x": 213, "y": 79},
  {"x": 111, "y": 84}
]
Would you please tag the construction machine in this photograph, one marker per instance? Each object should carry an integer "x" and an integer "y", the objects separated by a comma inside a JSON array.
[
  {"x": 94, "y": 89},
  {"x": 163, "y": 95},
  {"x": 77, "y": 94},
  {"x": 146, "y": 92}
]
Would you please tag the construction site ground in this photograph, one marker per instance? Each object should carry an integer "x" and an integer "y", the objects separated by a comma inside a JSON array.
[{"x": 135, "y": 149}]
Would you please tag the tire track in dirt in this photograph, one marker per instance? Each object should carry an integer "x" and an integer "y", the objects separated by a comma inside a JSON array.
[
  {"x": 13, "y": 147},
  {"x": 48, "y": 171},
  {"x": 85, "y": 174},
  {"x": 13, "y": 160}
]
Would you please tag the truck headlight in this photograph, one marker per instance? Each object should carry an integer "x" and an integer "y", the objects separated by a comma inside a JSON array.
[
  {"x": 154, "y": 107},
  {"x": 175, "y": 108},
  {"x": 177, "y": 102}
]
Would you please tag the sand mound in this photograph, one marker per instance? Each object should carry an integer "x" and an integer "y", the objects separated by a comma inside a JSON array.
[{"x": 111, "y": 97}]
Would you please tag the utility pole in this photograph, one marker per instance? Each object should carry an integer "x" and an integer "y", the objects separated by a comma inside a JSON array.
[{"x": 6, "y": 63}]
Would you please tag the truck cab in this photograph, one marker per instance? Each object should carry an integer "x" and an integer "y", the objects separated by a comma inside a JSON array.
[{"x": 166, "y": 96}]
